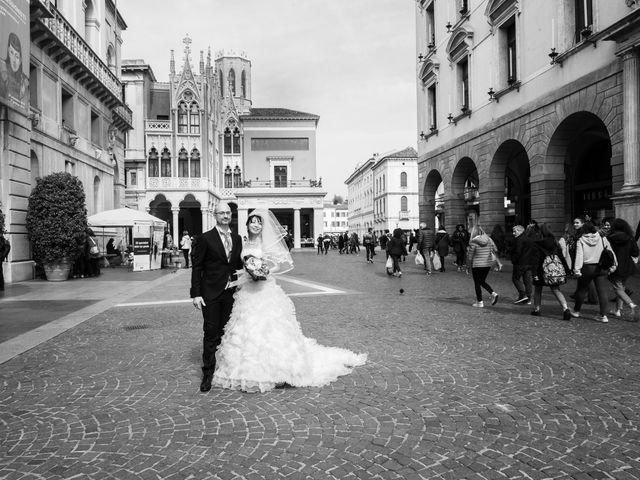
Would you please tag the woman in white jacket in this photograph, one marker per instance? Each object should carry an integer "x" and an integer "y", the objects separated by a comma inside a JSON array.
[{"x": 588, "y": 251}]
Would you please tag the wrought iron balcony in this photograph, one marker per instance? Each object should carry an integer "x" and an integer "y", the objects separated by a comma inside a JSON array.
[{"x": 60, "y": 41}]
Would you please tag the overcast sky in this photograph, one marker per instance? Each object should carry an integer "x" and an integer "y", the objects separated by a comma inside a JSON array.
[{"x": 352, "y": 62}]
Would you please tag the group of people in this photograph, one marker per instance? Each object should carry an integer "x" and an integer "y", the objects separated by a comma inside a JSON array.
[
  {"x": 88, "y": 262},
  {"x": 252, "y": 340},
  {"x": 596, "y": 254}
]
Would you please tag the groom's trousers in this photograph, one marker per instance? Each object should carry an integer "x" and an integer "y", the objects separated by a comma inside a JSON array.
[{"x": 216, "y": 314}]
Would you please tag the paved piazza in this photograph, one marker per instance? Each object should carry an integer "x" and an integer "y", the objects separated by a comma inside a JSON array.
[{"x": 448, "y": 392}]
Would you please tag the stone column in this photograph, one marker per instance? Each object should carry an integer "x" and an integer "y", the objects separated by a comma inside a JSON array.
[
  {"x": 631, "y": 96},
  {"x": 205, "y": 219},
  {"x": 318, "y": 222},
  {"x": 176, "y": 234},
  {"x": 296, "y": 228}
]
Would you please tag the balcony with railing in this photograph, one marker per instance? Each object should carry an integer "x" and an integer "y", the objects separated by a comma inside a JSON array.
[
  {"x": 177, "y": 183},
  {"x": 123, "y": 117},
  {"x": 157, "y": 125},
  {"x": 404, "y": 215},
  {"x": 281, "y": 184},
  {"x": 57, "y": 37}
]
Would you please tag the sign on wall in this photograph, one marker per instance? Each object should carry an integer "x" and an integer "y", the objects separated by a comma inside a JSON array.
[{"x": 14, "y": 54}]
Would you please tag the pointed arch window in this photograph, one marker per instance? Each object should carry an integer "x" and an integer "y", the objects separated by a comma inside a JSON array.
[
  {"x": 183, "y": 118},
  {"x": 403, "y": 179},
  {"x": 236, "y": 140},
  {"x": 243, "y": 83},
  {"x": 228, "y": 177},
  {"x": 194, "y": 119},
  {"x": 232, "y": 82},
  {"x": 237, "y": 177},
  {"x": 221, "y": 75},
  {"x": 165, "y": 163},
  {"x": 153, "y": 160},
  {"x": 183, "y": 163},
  {"x": 195, "y": 163},
  {"x": 227, "y": 140}
]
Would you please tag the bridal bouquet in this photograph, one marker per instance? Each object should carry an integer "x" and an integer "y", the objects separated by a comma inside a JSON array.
[{"x": 256, "y": 267}]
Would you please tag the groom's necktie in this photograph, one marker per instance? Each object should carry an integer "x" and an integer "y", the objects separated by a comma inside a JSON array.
[{"x": 227, "y": 243}]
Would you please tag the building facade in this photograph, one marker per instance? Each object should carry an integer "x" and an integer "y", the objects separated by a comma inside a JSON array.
[
  {"x": 383, "y": 193},
  {"x": 74, "y": 117},
  {"x": 198, "y": 141},
  {"x": 527, "y": 112},
  {"x": 336, "y": 218}
]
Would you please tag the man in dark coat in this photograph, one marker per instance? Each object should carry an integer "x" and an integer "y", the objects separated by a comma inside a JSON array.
[
  {"x": 425, "y": 245},
  {"x": 215, "y": 259},
  {"x": 5, "y": 248}
]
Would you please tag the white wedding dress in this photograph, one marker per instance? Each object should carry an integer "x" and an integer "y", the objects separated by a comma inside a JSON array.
[{"x": 263, "y": 344}]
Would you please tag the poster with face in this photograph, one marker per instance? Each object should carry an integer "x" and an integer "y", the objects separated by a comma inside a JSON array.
[{"x": 14, "y": 54}]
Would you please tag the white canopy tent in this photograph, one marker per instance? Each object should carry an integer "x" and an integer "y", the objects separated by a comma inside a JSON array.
[{"x": 122, "y": 217}]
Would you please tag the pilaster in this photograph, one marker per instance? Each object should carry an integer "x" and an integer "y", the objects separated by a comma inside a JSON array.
[{"x": 631, "y": 95}]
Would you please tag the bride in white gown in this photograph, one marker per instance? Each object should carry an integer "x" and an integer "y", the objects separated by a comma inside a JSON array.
[{"x": 263, "y": 345}]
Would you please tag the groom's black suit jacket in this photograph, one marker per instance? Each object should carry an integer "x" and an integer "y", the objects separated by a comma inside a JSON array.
[{"x": 210, "y": 269}]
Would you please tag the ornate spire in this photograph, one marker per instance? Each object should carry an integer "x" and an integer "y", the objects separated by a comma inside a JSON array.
[
  {"x": 187, "y": 49},
  {"x": 172, "y": 64},
  {"x": 201, "y": 62}
]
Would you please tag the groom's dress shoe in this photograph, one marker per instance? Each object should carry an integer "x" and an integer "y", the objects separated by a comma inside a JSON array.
[{"x": 205, "y": 386}]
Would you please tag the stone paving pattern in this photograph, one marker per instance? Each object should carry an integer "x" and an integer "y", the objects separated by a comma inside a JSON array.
[{"x": 449, "y": 392}]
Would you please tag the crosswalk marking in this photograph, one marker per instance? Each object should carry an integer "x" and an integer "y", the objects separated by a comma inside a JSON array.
[{"x": 316, "y": 289}]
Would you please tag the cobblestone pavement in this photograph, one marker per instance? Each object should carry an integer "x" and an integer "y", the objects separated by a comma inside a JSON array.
[{"x": 449, "y": 392}]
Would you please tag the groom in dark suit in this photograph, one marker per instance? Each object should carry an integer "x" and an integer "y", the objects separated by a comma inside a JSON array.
[{"x": 215, "y": 259}]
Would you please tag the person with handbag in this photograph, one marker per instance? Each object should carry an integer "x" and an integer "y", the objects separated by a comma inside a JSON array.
[
  {"x": 397, "y": 249},
  {"x": 625, "y": 248},
  {"x": 481, "y": 249},
  {"x": 594, "y": 261},
  {"x": 93, "y": 254}
]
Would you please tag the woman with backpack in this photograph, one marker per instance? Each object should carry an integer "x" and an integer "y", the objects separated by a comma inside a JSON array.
[
  {"x": 625, "y": 247},
  {"x": 550, "y": 270}
]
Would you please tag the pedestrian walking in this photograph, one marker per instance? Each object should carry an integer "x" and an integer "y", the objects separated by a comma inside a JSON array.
[
  {"x": 340, "y": 243},
  {"x": 425, "y": 243},
  {"x": 5, "y": 248},
  {"x": 216, "y": 258},
  {"x": 460, "y": 241},
  {"x": 521, "y": 276},
  {"x": 442, "y": 243},
  {"x": 626, "y": 249},
  {"x": 326, "y": 240},
  {"x": 550, "y": 270},
  {"x": 320, "y": 244},
  {"x": 368, "y": 240},
  {"x": 185, "y": 245},
  {"x": 588, "y": 268},
  {"x": 481, "y": 249},
  {"x": 397, "y": 248},
  {"x": 578, "y": 228}
]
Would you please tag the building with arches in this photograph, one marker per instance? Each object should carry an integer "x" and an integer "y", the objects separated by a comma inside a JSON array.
[
  {"x": 197, "y": 140},
  {"x": 76, "y": 118},
  {"x": 383, "y": 193},
  {"x": 527, "y": 112}
]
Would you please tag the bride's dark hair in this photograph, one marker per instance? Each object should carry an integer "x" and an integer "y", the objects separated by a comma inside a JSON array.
[{"x": 254, "y": 216}]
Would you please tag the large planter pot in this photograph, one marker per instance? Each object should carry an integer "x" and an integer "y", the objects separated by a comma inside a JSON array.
[{"x": 58, "y": 271}]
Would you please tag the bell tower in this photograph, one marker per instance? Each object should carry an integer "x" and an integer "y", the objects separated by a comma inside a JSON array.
[{"x": 233, "y": 71}]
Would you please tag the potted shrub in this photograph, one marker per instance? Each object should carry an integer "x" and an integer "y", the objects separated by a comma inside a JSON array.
[{"x": 56, "y": 223}]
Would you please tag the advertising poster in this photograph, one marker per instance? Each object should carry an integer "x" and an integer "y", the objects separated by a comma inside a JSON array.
[
  {"x": 156, "y": 247},
  {"x": 141, "y": 246},
  {"x": 14, "y": 54}
]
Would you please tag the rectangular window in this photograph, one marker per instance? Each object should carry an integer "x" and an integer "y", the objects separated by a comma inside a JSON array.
[
  {"x": 227, "y": 142},
  {"x": 96, "y": 130},
  {"x": 33, "y": 86},
  {"x": 584, "y": 19},
  {"x": 512, "y": 72},
  {"x": 431, "y": 28},
  {"x": 432, "y": 121},
  {"x": 463, "y": 83},
  {"x": 236, "y": 142},
  {"x": 280, "y": 176},
  {"x": 134, "y": 177},
  {"x": 67, "y": 110},
  {"x": 279, "y": 144}
]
